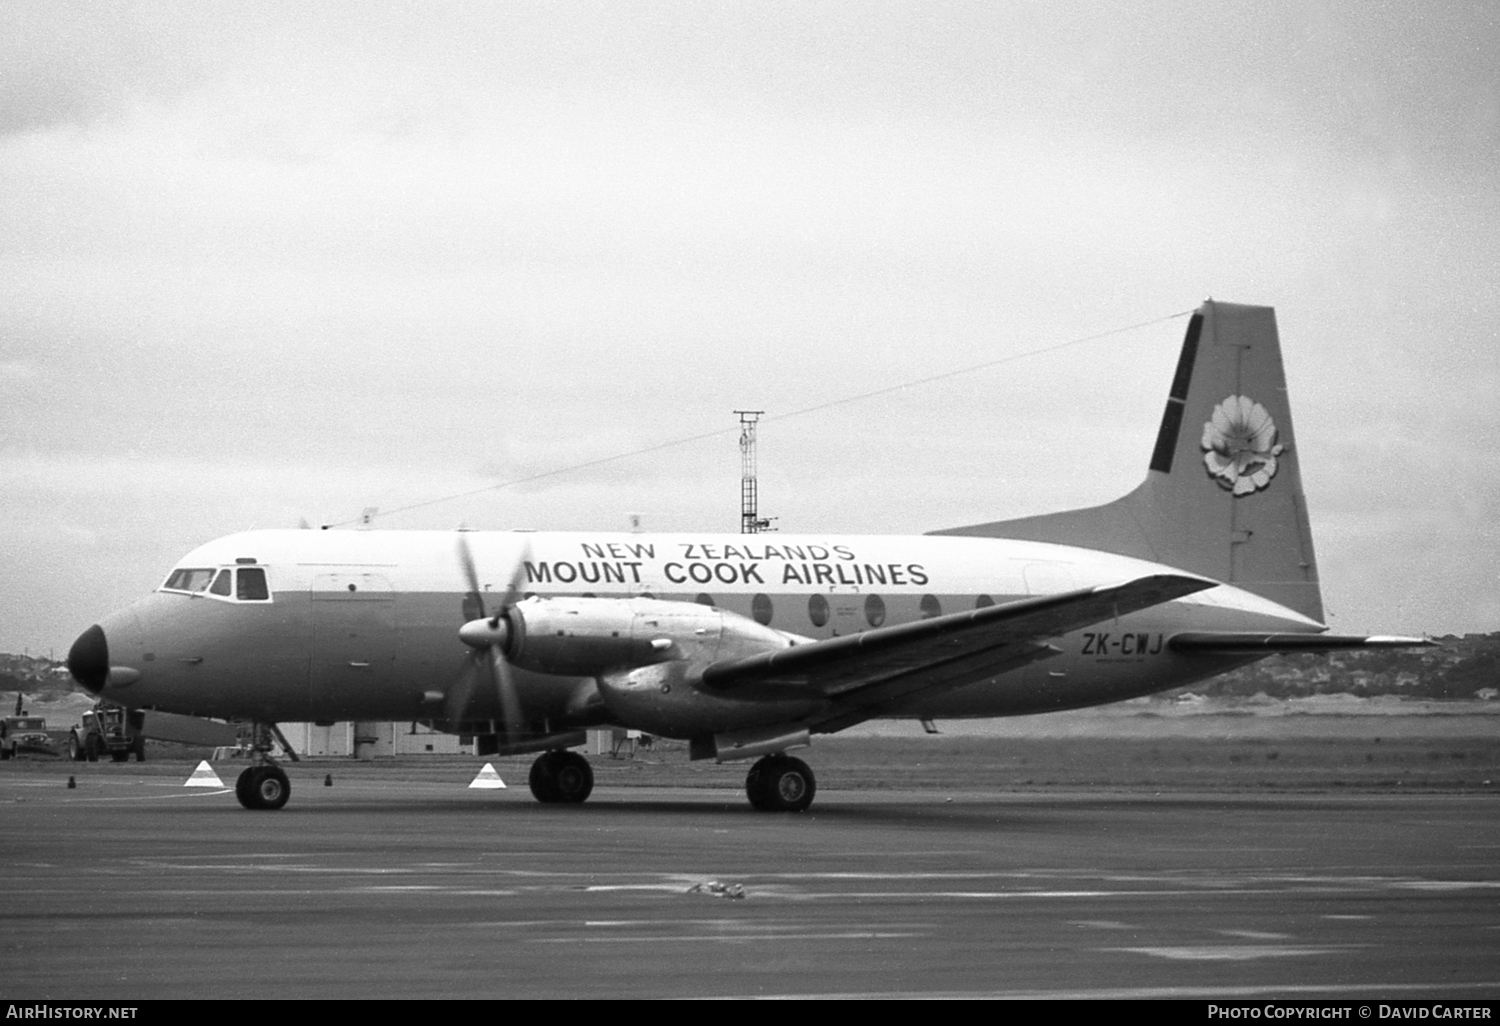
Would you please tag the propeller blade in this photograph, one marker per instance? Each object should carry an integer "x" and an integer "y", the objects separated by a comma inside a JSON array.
[
  {"x": 510, "y": 701},
  {"x": 490, "y": 660},
  {"x": 466, "y": 560},
  {"x": 461, "y": 694}
]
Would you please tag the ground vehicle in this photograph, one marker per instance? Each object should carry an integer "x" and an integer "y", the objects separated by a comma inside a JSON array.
[
  {"x": 21, "y": 731},
  {"x": 107, "y": 729}
]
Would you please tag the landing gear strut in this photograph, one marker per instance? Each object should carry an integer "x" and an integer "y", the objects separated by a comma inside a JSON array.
[
  {"x": 780, "y": 783},
  {"x": 561, "y": 776},
  {"x": 262, "y": 785}
]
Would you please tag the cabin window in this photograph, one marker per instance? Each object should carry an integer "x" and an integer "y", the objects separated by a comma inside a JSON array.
[
  {"x": 817, "y": 610},
  {"x": 931, "y": 607},
  {"x": 982, "y": 601},
  {"x": 251, "y": 585},
  {"x": 193, "y": 579},
  {"x": 760, "y": 609},
  {"x": 222, "y": 583},
  {"x": 874, "y": 610}
]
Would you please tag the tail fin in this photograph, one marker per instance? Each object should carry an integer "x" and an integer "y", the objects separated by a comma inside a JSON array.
[{"x": 1223, "y": 496}]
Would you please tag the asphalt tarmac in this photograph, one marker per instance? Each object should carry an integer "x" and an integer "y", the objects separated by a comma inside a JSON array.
[{"x": 404, "y": 885}]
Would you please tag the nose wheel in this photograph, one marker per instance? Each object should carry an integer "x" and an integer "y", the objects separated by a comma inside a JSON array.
[
  {"x": 263, "y": 787},
  {"x": 780, "y": 783}
]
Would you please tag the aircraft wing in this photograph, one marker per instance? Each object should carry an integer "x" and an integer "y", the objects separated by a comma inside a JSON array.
[
  {"x": 864, "y": 675},
  {"x": 1246, "y": 643}
]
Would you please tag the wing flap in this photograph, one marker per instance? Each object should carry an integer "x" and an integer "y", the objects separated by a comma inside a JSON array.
[{"x": 1247, "y": 643}]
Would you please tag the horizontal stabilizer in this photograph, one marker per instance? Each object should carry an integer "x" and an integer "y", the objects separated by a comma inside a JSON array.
[{"x": 1246, "y": 643}]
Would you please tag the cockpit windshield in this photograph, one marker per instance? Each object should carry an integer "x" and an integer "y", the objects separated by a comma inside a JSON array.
[
  {"x": 234, "y": 584},
  {"x": 189, "y": 579}
]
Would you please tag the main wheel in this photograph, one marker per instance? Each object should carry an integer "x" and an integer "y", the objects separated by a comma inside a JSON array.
[
  {"x": 755, "y": 785},
  {"x": 75, "y": 749},
  {"x": 139, "y": 748},
  {"x": 91, "y": 747},
  {"x": 574, "y": 778},
  {"x": 561, "y": 777},
  {"x": 780, "y": 783},
  {"x": 543, "y": 788},
  {"x": 263, "y": 787}
]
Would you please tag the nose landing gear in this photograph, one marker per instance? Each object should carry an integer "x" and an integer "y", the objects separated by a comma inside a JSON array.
[{"x": 263, "y": 785}]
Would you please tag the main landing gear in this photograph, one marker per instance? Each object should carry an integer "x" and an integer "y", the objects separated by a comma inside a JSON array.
[
  {"x": 561, "y": 776},
  {"x": 780, "y": 783},
  {"x": 262, "y": 785}
]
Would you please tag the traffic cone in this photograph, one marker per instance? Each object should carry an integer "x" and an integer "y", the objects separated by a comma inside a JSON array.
[
  {"x": 203, "y": 776},
  {"x": 487, "y": 779}
]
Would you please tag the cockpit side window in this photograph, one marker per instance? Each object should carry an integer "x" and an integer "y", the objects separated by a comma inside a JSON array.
[
  {"x": 221, "y": 583},
  {"x": 192, "y": 579},
  {"x": 251, "y": 584}
]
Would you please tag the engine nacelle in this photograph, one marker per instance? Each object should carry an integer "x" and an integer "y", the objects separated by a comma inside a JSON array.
[
  {"x": 648, "y": 657},
  {"x": 593, "y": 637}
]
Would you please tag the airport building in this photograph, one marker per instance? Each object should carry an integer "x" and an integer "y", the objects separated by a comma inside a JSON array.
[{"x": 385, "y": 740}]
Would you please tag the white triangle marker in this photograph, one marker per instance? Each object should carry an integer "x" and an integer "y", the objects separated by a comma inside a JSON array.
[
  {"x": 203, "y": 776},
  {"x": 487, "y": 779}
]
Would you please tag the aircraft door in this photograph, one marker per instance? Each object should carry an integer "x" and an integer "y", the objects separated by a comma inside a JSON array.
[{"x": 353, "y": 641}]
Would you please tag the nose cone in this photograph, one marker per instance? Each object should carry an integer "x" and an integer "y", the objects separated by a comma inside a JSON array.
[{"x": 88, "y": 659}]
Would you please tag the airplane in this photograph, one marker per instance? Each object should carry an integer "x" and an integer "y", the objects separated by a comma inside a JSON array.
[{"x": 748, "y": 645}]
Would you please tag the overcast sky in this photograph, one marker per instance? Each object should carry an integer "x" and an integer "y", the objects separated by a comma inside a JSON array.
[{"x": 266, "y": 262}]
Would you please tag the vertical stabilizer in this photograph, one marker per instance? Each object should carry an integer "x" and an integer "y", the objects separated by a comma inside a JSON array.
[{"x": 1223, "y": 496}]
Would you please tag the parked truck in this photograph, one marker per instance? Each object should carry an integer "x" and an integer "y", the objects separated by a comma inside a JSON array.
[
  {"x": 21, "y": 731},
  {"x": 108, "y": 730}
]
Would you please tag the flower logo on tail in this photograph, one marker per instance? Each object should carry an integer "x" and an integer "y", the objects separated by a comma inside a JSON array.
[{"x": 1239, "y": 446}]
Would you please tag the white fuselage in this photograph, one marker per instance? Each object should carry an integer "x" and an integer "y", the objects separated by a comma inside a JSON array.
[{"x": 364, "y": 624}]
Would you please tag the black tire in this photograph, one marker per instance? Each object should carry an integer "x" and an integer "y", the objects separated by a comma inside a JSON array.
[
  {"x": 5, "y": 752},
  {"x": 140, "y": 749},
  {"x": 573, "y": 778},
  {"x": 755, "y": 785},
  {"x": 785, "y": 784},
  {"x": 543, "y": 779},
  {"x": 562, "y": 777},
  {"x": 263, "y": 787},
  {"x": 91, "y": 746},
  {"x": 272, "y": 788},
  {"x": 75, "y": 748},
  {"x": 243, "y": 786}
]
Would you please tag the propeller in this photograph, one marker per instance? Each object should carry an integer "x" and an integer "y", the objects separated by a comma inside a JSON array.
[{"x": 488, "y": 635}]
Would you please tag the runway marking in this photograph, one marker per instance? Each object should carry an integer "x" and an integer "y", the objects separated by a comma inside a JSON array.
[
  {"x": 1235, "y": 952},
  {"x": 1255, "y": 934},
  {"x": 150, "y": 797},
  {"x": 1345, "y": 917}
]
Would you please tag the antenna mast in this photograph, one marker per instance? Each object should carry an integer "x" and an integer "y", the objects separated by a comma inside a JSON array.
[{"x": 750, "y": 519}]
